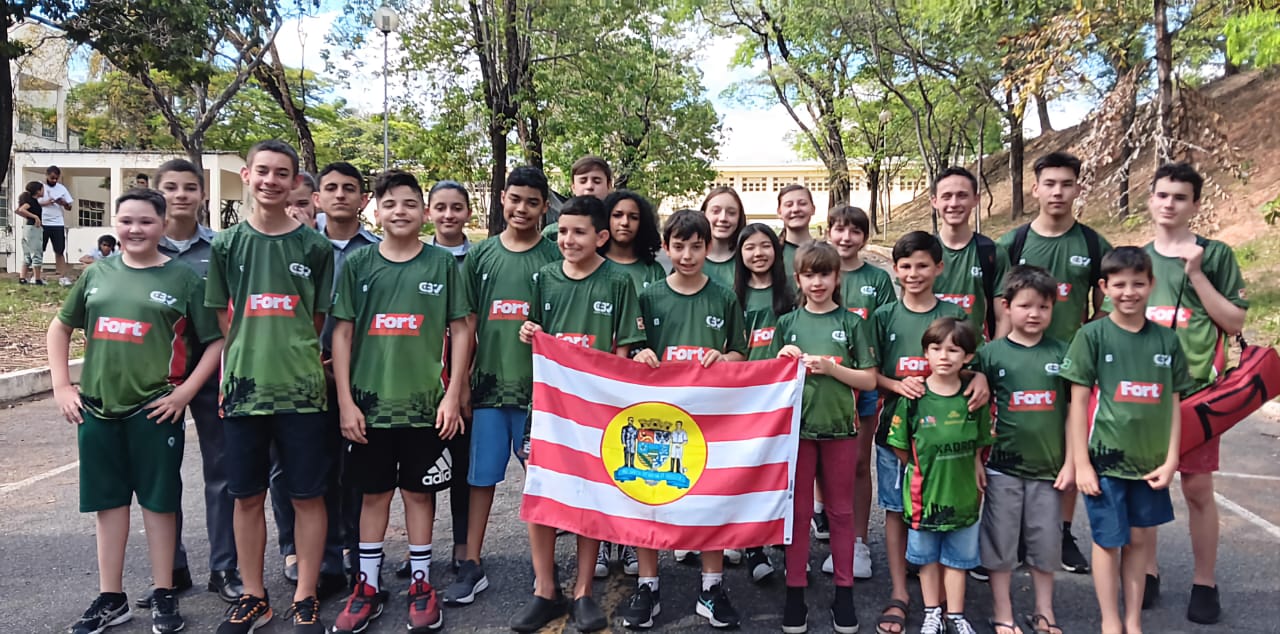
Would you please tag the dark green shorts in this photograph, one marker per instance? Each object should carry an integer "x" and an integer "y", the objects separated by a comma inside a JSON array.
[{"x": 123, "y": 456}]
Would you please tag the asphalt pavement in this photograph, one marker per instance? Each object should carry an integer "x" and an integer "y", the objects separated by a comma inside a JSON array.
[{"x": 50, "y": 576}]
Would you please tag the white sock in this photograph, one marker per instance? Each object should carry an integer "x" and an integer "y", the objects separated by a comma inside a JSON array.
[
  {"x": 818, "y": 507},
  {"x": 652, "y": 582},
  {"x": 710, "y": 579},
  {"x": 371, "y": 563},
  {"x": 420, "y": 561}
]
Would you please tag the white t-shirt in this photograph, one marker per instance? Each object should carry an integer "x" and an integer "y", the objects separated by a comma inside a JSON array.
[{"x": 52, "y": 214}]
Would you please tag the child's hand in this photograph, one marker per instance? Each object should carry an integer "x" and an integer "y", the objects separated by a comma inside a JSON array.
[
  {"x": 911, "y": 387},
  {"x": 978, "y": 392},
  {"x": 527, "y": 330},
  {"x": 1087, "y": 481},
  {"x": 647, "y": 357},
  {"x": 170, "y": 407},
  {"x": 981, "y": 471},
  {"x": 711, "y": 356},
  {"x": 1162, "y": 477},
  {"x": 68, "y": 399},
  {"x": 790, "y": 350},
  {"x": 818, "y": 364},
  {"x": 449, "y": 418},
  {"x": 1066, "y": 477},
  {"x": 352, "y": 424}
]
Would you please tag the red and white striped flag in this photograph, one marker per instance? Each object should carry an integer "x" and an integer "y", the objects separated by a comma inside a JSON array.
[{"x": 678, "y": 457}]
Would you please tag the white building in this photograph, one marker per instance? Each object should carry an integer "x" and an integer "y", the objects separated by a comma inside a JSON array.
[{"x": 94, "y": 177}]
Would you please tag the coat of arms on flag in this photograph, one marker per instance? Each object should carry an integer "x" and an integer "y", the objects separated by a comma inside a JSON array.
[{"x": 678, "y": 457}]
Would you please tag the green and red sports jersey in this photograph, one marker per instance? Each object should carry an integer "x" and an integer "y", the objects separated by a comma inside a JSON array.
[
  {"x": 642, "y": 274},
  {"x": 683, "y": 327},
  {"x": 400, "y": 314},
  {"x": 763, "y": 341},
  {"x": 865, "y": 289},
  {"x": 961, "y": 280},
  {"x": 1030, "y": 407},
  {"x": 599, "y": 311},
  {"x": 942, "y": 438},
  {"x": 274, "y": 288},
  {"x": 897, "y": 334},
  {"x": 1134, "y": 377},
  {"x": 720, "y": 272},
  {"x": 140, "y": 326},
  {"x": 1066, "y": 257},
  {"x": 499, "y": 284},
  {"x": 828, "y": 409}
]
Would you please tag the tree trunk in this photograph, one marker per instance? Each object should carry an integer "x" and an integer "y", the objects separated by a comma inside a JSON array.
[
  {"x": 498, "y": 175},
  {"x": 873, "y": 184},
  {"x": 1126, "y": 150},
  {"x": 275, "y": 80},
  {"x": 530, "y": 134},
  {"x": 1164, "y": 76},
  {"x": 6, "y": 111},
  {"x": 1017, "y": 160},
  {"x": 1042, "y": 112}
]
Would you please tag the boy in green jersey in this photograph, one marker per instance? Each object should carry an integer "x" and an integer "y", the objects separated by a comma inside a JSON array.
[
  {"x": 588, "y": 176},
  {"x": 1028, "y": 466},
  {"x": 941, "y": 442},
  {"x": 795, "y": 209},
  {"x": 1199, "y": 292},
  {"x": 687, "y": 318},
  {"x": 588, "y": 301},
  {"x": 864, "y": 288},
  {"x": 136, "y": 311},
  {"x": 1072, "y": 253},
  {"x": 967, "y": 280},
  {"x": 271, "y": 282},
  {"x": 1125, "y": 447},
  {"x": 498, "y": 277},
  {"x": 917, "y": 260},
  {"x": 393, "y": 305}
]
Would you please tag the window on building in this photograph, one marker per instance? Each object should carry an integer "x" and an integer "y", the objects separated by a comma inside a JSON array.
[
  {"x": 755, "y": 184},
  {"x": 6, "y": 213},
  {"x": 92, "y": 213},
  {"x": 817, "y": 184}
]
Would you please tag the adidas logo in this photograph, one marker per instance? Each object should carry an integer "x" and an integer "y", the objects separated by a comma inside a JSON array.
[{"x": 441, "y": 472}]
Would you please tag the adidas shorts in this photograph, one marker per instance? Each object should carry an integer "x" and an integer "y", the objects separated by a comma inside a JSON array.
[{"x": 410, "y": 458}]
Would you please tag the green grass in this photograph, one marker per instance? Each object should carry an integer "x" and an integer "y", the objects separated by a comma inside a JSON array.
[
  {"x": 1260, "y": 263},
  {"x": 25, "y": 312}
]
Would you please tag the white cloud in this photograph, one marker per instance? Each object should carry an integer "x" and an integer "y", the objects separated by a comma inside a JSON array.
[{"x": 301, "y": 43}]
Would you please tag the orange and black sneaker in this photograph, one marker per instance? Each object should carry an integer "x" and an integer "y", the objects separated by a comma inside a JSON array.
[
  {"x": 306, "y": 616},
  {"x": 246, "y": 615},
  {"x": 361, "y": 609},
  {"x": 424, "y": 609}
]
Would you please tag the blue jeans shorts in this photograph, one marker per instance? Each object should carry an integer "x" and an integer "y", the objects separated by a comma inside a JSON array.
[
  {"x": 956, "y": 549},
  {"x": 1125, "y": 504},
  {"x": 497, "y": 434},
  {"x": 889, "y": 472},
  {"x": 868, "y": 403}
]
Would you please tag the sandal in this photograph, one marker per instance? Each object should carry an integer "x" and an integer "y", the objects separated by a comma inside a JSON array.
[
  {"x": 887, "y": 620},
  {"x": 997, "y": 627},
  {"x": 1040, "y": 624}
]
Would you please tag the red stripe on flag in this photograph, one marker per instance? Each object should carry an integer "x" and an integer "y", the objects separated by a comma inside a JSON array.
[
  {"x": 715, "y": 427},
  {"x": 647, "y": 534},
  {"x": 728, "y": 482},
  {"x": 671, "y": 374}
]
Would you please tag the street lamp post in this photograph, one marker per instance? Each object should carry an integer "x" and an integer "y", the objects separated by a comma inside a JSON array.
[{"x": 387, "y": 21}]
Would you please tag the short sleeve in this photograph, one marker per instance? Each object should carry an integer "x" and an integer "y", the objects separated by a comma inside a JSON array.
[
  {"x": 899, "y": 428},
  {"x": 862, "y": 352},
  {"x": 203, "y": 319},
  {"x": 1079, "y": 365},
  {"x": 1006, "y": 240},
  {"x": 73, "y": 312},
  {"x": 216, "y": 293},
  {"x": 983, "y": 431},
  {"x": 884, "y": 290},
  {"x": 629, "y": 327},
  {"x": 468, "y": 280},
  {"x": 456, "y": 305},
  {"x": 737, "y": 325},
  {"x": 1002, "y": 267},
  {"x": 1226, "y": 276},
  {"x": 344, "y": 295},
  {"x": 324, "y": 280}
]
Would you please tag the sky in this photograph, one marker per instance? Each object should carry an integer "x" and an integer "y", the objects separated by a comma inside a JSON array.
[{"x": 754, "y": 133}]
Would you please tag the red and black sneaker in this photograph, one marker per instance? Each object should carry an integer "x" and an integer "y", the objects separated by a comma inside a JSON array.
[
  {"x": 424, "y": 610},
  {"x": 362, "y": 608}
]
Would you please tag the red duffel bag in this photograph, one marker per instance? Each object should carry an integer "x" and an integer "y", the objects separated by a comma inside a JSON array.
[{"x": 1237, "y": 394}]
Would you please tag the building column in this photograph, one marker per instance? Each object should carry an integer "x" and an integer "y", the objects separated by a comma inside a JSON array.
[
  {"x": 117, "y": 189},
  {"x": 215, "y": 192}
]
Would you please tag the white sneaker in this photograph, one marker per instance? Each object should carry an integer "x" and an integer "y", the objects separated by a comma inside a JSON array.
[
  {"x": 861, "y": 560},
  {"x": 602, "y": 561},
  {"x": 65, "y": 281},
  {"x": 732, "y": 556},
  {"x": 829, "y": 565},
  {"x": 630, "y": 561}
]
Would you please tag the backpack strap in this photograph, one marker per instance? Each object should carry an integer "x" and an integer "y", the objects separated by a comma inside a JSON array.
[
  {"x": 987, "y": 260},
  {"x": 1019, "y": 241},
  {"x": 1093, "y": 243}
]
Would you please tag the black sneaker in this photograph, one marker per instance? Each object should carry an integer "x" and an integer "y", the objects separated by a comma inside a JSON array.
[
  {"x": 587, "y": 616},
  {"x": 537, "y": 613},
  {"x": 957, "y": 624},
  {"x": 470, "y": 582},
  {"x": 108, "y": 610},
  {"x": 759, "y": 565},
  {"x": 980, "y": 574},
  {"x": 641, "y": 608},
  {"x": 306, "y": 616},
  {"x": 164, "y": 612},
  {"x": 714, "y": 605},
  {"x": 38, "y": 282},
  {"x": 246, "y": 615},
  {"x": 795, "y": 614},
  {"x": 844, "y": 616},
  {"x": 181, "y": 583},
  {"x": 332, "y": 585},
  {"x": 1151, "y": 592},
  {"x": 1072, "y": 559},
  {"x": 821, "y": 529},
  {"x": 1204, "y": 607}
]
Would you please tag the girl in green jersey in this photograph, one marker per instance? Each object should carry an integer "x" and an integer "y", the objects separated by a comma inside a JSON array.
[
  {"x": 634, "y": 240},
  {"x": 723, "y": 209}
]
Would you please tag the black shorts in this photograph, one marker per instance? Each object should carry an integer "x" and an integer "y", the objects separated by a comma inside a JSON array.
[
  {"x": 56, "y": 235},
  {"x": 411, "y": 458},
  {"x": 305, "y": 445}
]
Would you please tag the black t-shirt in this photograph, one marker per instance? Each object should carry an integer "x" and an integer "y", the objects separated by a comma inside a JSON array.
[{"x": 33, "y": 206}]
